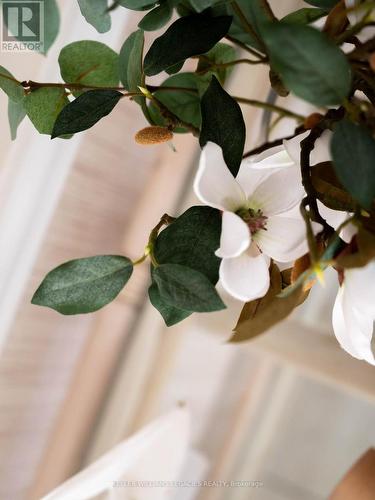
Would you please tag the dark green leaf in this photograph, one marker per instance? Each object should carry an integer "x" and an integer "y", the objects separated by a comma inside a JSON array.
[
  {"x": 89, "y": 63},
  {"x": 156, "y": 18},
  {"x": 191, "y": 240},
  {"x": 16, "y": 113},
  {"x": 84, "y": 285},
  {"x": 325, "y": 4},
  {"x": 175, "y": 68},
  {"x": 43, "y": 106},
  {"x": 186, "y": 288},
  {"x": 305, "y": 16},
  {"x": 186, "y": 37},
  {"x": 85, "y": 111},
  {"x": 95, "y": 12},
  {"x": 296, "y": 54},
  {"x": 131, "y": 65},
  {"x": 13, "y": 89},
  {"x": 353, "y": 153},
  {"x": 170, "y": 314},
  {"x": 223, "y": 124},
  {"x": 184, "y": 104}
]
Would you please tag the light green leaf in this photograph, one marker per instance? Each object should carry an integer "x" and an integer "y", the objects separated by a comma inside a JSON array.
[
  {"x": 191, "y": 240},
  {"x": 184, "y": 104},
  {"x": 137, "y": 4},
  {"x": 131, "y": 64},
  {"x": 16, "y": 113},
  {"x": 186, "y": 37},
  {"x": 170, "y": 314},
  {"x": 43, "y": 105},
  {"x": 85, "y": 111},
  {"x": 90, "y": 63},
  {"x": 10, "y": 85},
  {"x": 186, "y": 288},
  {"x": 210, "y": 63},
  {"x": 324, "y": 81},
  {"x": 51, "y": 23},
  {"x": 84, "y": 285},
  {"x": 353, "y": 153},
  {"x": 223, "y": 124},
  {"x": 95, "y": 12},
  {"x": 305, "y": 16},
  {"x": 156, "y": 18}
]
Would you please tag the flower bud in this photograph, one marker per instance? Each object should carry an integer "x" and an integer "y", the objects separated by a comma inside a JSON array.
[
  {"x": 312, "y": 120},
  {"x": 371, "y": 61},
  {"x": 153, "y": 135}
]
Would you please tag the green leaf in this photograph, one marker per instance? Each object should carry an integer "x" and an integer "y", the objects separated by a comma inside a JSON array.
[
  {"x": 95, "y": 12},
  {"x": 191, "y": 240},
  {"x": 223, "y": 124},
  {"x": 305, "y": 16},
  {"x": 186, "y": 288},
  {"x": 296, "y": 54},
  {"x": 170, "y": 314},
  {"x": 89, "y": 63},
  {"x": 16, "y": 113},
  {"x": 85, "y": 111},
  {"x": 256, "y": 13},
  {"x": 43, "y": 106},
  {"x": 175, "y": 68},
  {"x": 137, "y": 4},
  {"x": 156, "y": 18},
  {"x": 84, "y": 285},
  {"x": 188, "y": 36},
  {"x": 260, "y": 315},
  {"x": 325, "y": 4},
  {"x": 353, "y": 153},
  {"x": 218, "y": 55},
  {"x": 184, "y": 104},
  {"x": 329, "y": 190},
  {"x": 51, "y": 23},
  {"x": 131, "y": 64},
  {"x": 13, "y": 89}
]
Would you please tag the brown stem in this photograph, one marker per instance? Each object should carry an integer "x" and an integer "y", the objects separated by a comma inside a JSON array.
[{"x": 270, "y": 107}]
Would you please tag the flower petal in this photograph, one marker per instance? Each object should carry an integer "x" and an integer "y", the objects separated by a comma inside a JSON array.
[
  {"x": 360, "y": 288},
  {"x": 293, "y": 147},
  {"x": 249, "y": 176},
  {"x": 276, "y": 157},
  {"x": 284, "y": 238},
  {"x": 335, "y": 218},
  {"x": 214, "y": 184},
  {"x": 246, "y": 277},
  {"x": 279, "y": 192},
  {"x": 320, "y": 153},
  {"x": 352, "y": 328},
  {"x": 235, "y": 236}
]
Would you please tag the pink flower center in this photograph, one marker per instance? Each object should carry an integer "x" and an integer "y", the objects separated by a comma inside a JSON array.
[{"x": 254, "y": 219}]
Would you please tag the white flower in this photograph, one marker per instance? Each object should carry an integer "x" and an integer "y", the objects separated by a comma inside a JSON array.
[
  {"x": 354, "y": 312},
  {"x": 255, "y": 226},
  {"x": 288, "y": 153}
]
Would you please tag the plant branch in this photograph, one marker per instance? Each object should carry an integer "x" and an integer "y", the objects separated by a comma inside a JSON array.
[
  {"x": 270, "y": 107},
  {"x": 246, "y": 24}
]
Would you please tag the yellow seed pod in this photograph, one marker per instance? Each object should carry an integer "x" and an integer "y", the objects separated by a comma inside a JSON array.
[{"x": 153, "y": 135}]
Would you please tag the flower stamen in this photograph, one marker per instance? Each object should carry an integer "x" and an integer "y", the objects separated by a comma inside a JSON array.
[{"x": 254, "y": 219}]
